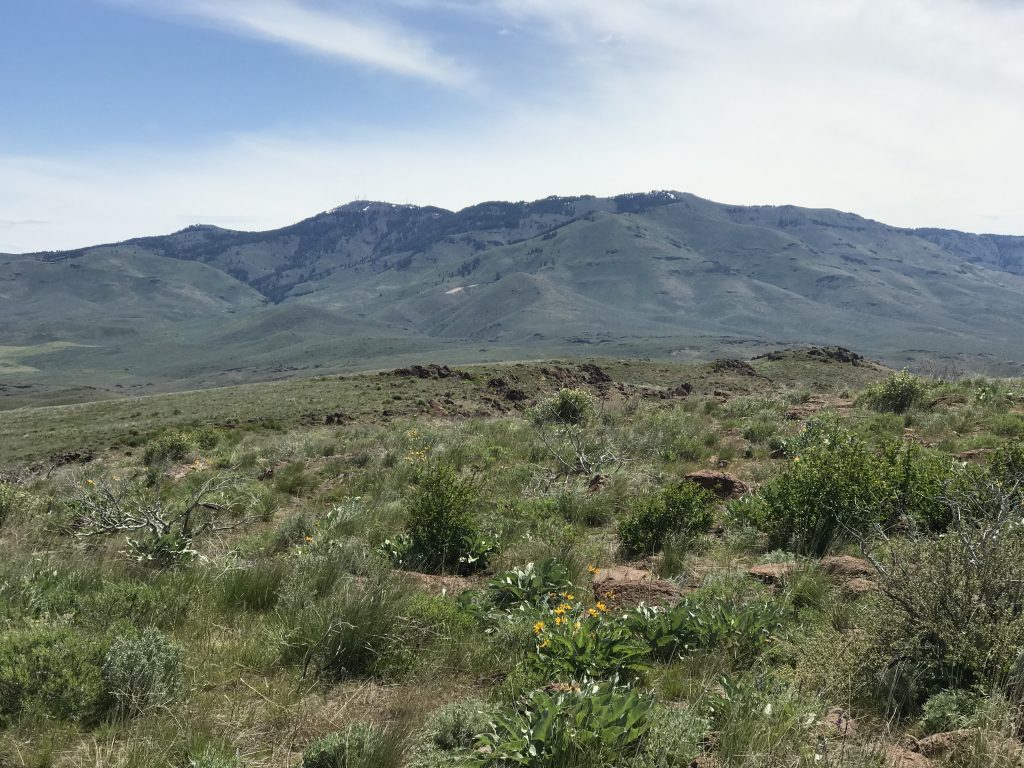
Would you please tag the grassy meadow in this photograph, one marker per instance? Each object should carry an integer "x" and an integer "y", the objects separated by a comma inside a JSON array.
[{"x": 505, "y": 565}]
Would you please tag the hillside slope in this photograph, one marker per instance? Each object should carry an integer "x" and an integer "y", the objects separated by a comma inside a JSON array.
[{"x": 371, "y": 284}]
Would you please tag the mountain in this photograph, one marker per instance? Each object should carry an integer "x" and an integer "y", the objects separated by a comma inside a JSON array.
[{"x": 373, "y": 284}]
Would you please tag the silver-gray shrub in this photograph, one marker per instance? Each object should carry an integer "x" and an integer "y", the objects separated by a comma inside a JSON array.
[{"x": 143, "y": 672}]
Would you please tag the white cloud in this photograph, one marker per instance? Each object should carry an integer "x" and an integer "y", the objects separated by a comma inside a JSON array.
[
  {"x": 907, "y": 111},
  {"x": 322, "y": 32}
]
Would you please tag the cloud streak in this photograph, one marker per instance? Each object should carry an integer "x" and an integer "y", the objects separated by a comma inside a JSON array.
[{"x": 303, "y": 27}]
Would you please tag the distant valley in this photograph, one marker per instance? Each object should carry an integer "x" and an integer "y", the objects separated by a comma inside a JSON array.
[{"x": 373, "y": 285}]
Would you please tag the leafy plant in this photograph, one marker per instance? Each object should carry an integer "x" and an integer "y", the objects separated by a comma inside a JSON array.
[
  {"x": 142, "y": 672},
  {"x": 589, "y": 647},
  {"x": 682, "y": 510},
  {"x": 737, "y": 630},
  {"x": 529, "y": 586},
  {"x": 593, "y": 725}
]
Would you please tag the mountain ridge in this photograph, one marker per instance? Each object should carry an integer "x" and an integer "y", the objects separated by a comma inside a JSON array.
[{"x": 663, "y": 273}]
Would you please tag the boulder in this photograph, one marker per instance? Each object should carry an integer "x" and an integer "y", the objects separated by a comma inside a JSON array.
[
  {"x": 901, "y": 757},
  {"x": 939, "y": 745},
  {"x": 846, "y": 567},
  {"x": 838, "y": 724},
  {"x": 859, "y": 586},
  {"x": 722, "y": 484},
  {"x": 625, "y": 587},
  {"x": 772, "y": 574}
]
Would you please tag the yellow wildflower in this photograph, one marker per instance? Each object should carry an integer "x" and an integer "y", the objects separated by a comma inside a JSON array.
[
  {"x": 576, "y": 626},
  {"x": 592, "y": 612},
  {"x": 568, "y": 596},
  {"x": 559, "y": 620},
  {"x": 538, "y": 627},
  {"x": 560, "y": 610},
  {"x": 601, "y": 607},
  {"x": 543, "y": 644},
  {"x": 309, "y": 539},
  {"x": 593, "y": 569},
  {"x": 89, "y": 482}
]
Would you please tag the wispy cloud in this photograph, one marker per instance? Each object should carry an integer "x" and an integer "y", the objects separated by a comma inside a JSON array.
[{"x": 323, "y": 32}]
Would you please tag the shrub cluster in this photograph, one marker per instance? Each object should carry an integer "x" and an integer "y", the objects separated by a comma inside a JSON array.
[
  {"x": 684, "y": 510},
  {"x": 839, "y": 487},
  {"x": 441, "y": 534},
  {"x": 897, "y": 394},
  {"x": 51, "y": 672}
]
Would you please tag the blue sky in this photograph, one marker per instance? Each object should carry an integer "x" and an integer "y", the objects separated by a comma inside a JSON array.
[{"x": 130, "y": 117}]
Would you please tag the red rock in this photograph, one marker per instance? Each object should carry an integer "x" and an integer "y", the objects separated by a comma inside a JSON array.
[
  {"x": 772, "y": 574},
  {"x": 846, "y": 566},
  {"x": 625, "y": 587},
  {"x": 722, "y": 484}
]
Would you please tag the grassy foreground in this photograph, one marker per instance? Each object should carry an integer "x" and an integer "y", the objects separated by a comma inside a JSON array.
[{"x": 437, "y": 567}]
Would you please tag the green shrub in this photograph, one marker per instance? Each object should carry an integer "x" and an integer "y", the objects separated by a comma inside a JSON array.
[
  {"x": 441, "y": 529},
  {"x": 948, "y": 610},
  {"x": 897, "y": 394},
  {"x": 837, "y": 485},
  {"x": 456, "y": 726},
  {"x": 574, "y": 406},
  {"x": 54, "y": 672},
  {"x": 170, "y": 446},
  {"x": 13, "y": 501},
  {"x": 596, "y": 725},
  {"x": 1006, "y": 465},
  {"x": 360, "y": 745},
  {"x": 914, "y": 482},
  {"x": 205, "y": 438},
  {"x": 949, "y": 710},
  {"x": 143, "y": 672},
  {"x": 685, "y": 509}
]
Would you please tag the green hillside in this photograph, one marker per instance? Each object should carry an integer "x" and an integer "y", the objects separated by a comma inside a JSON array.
[{"x": 371, "y": 285}]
